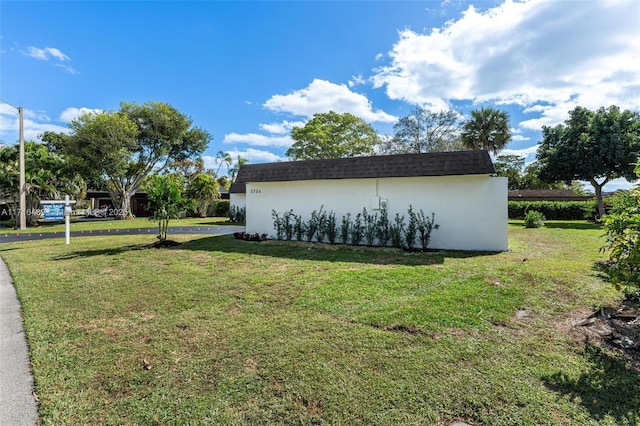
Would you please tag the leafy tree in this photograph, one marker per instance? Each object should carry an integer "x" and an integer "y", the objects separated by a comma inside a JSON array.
[
  {"x": 223, "y": 182},
  {"x": 488, "y": 128},
  {"x": 595, "y": 146},
  {"x": 47, "y": 176},
  {"x": 424, "y": 131},
  {"x": 203, "y": 189},
  {"x": 123, "y": 147},
  {"x": 521, "y": 177},
  {"x": 511, "y": 167},
  {"x": 189, "y": 168},
  {"x": 332, "y": 135},
  {"x": 164, "y": 193}
]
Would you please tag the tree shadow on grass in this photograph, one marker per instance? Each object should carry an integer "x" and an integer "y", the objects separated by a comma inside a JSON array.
[
  {"x": 608, "y": 389},
  {"x": 100, "y": 252},
  {"x": 572, "y": 225},
  {"x": 325, "y": 252},
  {"x": 295, "y": 250}
]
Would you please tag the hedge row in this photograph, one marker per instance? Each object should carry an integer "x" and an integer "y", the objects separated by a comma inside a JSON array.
[
  {"x": 219, "y": 208},
  {"x": 554, "y": 210}
]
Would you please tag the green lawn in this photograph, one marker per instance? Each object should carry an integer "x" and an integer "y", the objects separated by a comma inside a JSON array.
[
  {"x": 220, "y": 331},
  {"x": 96, "y": 225}
]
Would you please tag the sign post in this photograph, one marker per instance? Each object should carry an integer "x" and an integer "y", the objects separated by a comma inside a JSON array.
[{"x": 57, "y": 210}]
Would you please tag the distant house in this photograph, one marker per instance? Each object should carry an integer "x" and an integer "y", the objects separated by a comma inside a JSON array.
[
  {"x": 139, "y": 203},
  {"x": 469, "y": 202}
]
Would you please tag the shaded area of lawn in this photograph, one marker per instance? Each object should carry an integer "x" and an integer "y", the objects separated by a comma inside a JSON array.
[
  {"x": 598, "y": 388},
  {"x": 219, "y": 331}
]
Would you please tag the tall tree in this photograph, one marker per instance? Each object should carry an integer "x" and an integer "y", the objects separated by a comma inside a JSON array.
[
  {"x": 488, "y": 128},
  {"x": 188, "y": 168},
  {"x": 222, "y": 157},
  {"x": 332, "y": 135},
  {"x": 123, "y": 147},
  {"x": 595, "y": 146},
  {"x": 424, "y": 131},
  {"x": 235, "y": 168}
]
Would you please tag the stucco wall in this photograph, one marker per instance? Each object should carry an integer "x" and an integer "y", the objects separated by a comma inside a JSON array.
[
  {"x": 238, "y": 200},
  {"x": 471, "y": 210}
]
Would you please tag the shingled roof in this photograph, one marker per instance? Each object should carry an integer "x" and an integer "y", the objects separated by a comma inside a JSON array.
[{"x": 474, "y": 162}]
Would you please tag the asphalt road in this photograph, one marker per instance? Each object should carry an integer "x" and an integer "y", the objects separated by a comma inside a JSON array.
[{"x": 213, "y": 230}]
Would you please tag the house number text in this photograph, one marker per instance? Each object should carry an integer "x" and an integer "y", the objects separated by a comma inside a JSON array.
[{"x": 256, "y": 191}]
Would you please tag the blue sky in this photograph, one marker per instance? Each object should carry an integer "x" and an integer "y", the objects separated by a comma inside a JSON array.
[{"x": 249, "y": 71}]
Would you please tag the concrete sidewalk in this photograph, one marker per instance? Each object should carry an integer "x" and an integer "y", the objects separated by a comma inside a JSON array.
[{"x": 17, "y": 404}]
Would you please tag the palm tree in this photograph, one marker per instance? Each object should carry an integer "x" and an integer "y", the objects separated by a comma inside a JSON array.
[
  {"x": 221, "y": 158},
  {"x": 488, "y": 128},
  {"x": 203, "y": 190},
  {"x": 233, "y": 171}
]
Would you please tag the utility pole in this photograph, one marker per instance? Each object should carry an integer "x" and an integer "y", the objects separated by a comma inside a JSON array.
[
  {"x": 22, "y": 190},
  {"x": 23, "y": 194}
]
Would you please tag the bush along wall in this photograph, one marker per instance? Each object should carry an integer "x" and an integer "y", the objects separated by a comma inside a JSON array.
[
  {"x": 554, "y": 210},
  {"x": 363, "y": 228}
]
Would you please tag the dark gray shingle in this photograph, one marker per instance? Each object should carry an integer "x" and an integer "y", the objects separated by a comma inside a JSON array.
[{"x": 474, "y": 162}]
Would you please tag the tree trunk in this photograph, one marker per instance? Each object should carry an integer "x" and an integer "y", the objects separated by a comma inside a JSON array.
[
  {"x": 121, "y": 199},
  {"x": 33, "y": 210},
  {"x": 598, "y": 188}
]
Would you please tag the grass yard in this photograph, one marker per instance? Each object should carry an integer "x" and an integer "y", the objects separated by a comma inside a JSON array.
[{"x": 226, "y": 332}]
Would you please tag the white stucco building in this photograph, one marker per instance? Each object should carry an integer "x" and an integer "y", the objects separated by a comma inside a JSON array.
[{"x": 469, "y": 202}]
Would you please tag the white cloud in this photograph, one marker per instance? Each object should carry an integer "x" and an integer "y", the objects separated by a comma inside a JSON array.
[
  {"x": 258, "y": 140},
  {"x": 33, "y": 125},
  {"x": 257, "y": 156},
  {"x": 516, "y": 137},
  {"x": 613, "y": 185},
  {"x": 281, "y": 128},
  {"x": 68, "y": 68},
  {"x": 71, "y": 113},
  {"x": 529, "y": 153},
  {"x": 545, "y": 56},
  {"x": 35, "y": 122},
  {"x": 46, "y": 54},
  {"x": 356, "y": 80},
  {"x": 322, "y": 96}
]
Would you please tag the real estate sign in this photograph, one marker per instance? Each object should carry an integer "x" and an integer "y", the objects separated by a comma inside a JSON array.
[{"x": 53, "y": 211}]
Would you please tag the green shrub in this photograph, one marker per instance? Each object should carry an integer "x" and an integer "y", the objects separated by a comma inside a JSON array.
[
  {"x": 533, "y": 219},
  {"x": 345, "y": 228},
  {"x": 332, "y": 228},
  {"x": 237, "y": 214},
  {"x": 622, "y": 233},
  {"x": 554, "y": 210},
  {"x": 298, "y": 227},
  {"x": 397, "y": 231},
  {"x": 219, "y": 208},
  {"x": 370, "y": 226},
  {"x": 425, "y": 226},
  {"x": 383, "y": 230},
  {"x": 411, "y": 230},
  {"x": 357, "y": 230}
]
